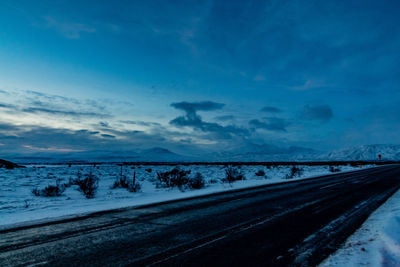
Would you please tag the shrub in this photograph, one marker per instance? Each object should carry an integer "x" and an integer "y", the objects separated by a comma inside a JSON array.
[
  {"x": 175, "y": 177},
  {"x": 134, "y": 187},
  {"x": 260, "y": 173},
  {"x": 87, "y": 185},
  {"x": 294, "y": 171},
  {"x": 334, "y": 169},
  {"x": 121, "y": 182},
  {"x": 197, "y": 182},
  {"x": 233, "y": 174},
  {"x": 49, "y": 191},
  {"x": 213, "y": 181}
]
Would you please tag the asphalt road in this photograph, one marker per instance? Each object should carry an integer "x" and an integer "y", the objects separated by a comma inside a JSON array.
[{"x": 291, "y": 224}]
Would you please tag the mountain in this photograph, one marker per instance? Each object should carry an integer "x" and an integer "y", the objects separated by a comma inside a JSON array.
[
  {"x": 8, "y": 165},
  {"x": 161, "y": 154},
  {"x": 156, "y": 154},
  {"x": 263, "y": 152},
  {"x": 365, "y": 152},
  {"x": 245, "y": 152}
]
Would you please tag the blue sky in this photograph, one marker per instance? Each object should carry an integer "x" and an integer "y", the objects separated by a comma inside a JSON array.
[{"x": 197, "y": 75}]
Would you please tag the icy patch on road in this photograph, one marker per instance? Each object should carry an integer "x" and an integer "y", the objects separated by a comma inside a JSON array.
[
  {"x": 376, "y": 242},
  {"x": 18, "y": 204}
]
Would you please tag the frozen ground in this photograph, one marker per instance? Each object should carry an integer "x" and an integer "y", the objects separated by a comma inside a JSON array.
[
  {"x": 376, "y": 242},
  {"x": 18, "y": 204}
]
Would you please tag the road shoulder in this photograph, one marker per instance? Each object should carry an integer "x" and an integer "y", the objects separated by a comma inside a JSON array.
[{"x": 376, "y": 242}]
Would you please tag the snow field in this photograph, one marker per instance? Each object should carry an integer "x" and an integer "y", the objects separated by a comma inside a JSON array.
[{"x": 18, "y": 204}]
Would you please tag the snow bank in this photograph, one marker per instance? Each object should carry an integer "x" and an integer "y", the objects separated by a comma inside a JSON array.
[{"x": 376, "y": 243}]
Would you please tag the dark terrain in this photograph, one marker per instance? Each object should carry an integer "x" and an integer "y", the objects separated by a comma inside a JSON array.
[
  {"x": 8, "y": 164},
  {"x": 288, "y": 224}
]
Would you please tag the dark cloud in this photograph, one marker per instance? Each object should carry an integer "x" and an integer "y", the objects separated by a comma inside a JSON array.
[
  {"x": 270, "y": 109},
  {"x": 193, "y": 107},
  {"x": 196, "y": 122},
  {"x": 87, "y": 131},
  {"x": 65, "y": 112},
  {"x": 322, "y": 113},
  {"x": 8, "y": 106},
  {"x": 271, "y": 124},
  {"x": 108, "y": 135},
  {"x": 104, "y": 124},
  {"x": 191, "y": 119},
  {"x": 7, "y": 127},
  {"x": 141, "y": 123}
]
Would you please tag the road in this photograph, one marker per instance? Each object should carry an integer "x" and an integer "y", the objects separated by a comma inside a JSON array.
[{"x": 289, "y": 224}]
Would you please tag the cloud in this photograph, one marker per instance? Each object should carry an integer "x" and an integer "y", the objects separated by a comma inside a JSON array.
[
  {"x": 196, "y": 122},
  {"x": 141, "y": 123},
  {"x": 70, "y": 30},
  {"x": 6, "y": 127},
  {"x": 7, "y": 106},
  {"x": 192, "y": 107},
  {"x": 270, "y": 109},
  {"x": 64, "y": 112},
  {"x": 20, "y": 139},
  {"x": 47, "y": 109},
  {"x": 191, "y": 119},
  {"x": 271, "y": 124},
  {"x": 322, "y": 113},
  {"x": 108, "y": 136}
]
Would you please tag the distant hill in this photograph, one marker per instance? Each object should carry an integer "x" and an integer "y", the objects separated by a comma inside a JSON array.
[
  {"x": 156, "y": 154},
  {"x": 246, "y": 152},
  {"x": 8, "y": 165}
]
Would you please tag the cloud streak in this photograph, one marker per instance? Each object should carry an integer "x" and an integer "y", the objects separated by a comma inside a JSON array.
[{"x": 65, "y": 112}]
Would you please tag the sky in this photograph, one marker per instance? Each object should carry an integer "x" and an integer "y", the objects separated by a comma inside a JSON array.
[{"x": 196, "y": 76}]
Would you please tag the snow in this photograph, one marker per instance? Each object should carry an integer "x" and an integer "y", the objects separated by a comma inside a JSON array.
[
  {"x": 249, "y": 152},
  {"x": 18, "y": 204},
  {"x": 366, "y": 152},
  {"x": 376, "y": 242}
]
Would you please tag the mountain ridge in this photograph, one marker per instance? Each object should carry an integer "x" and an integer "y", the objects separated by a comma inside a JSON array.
[{"x": 250, "y": 152}]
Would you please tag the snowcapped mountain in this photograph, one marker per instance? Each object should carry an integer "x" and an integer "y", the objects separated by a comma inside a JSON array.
[
  {"x": 264, "y": 152},
  {"x": 247, "y": 152},
  {"x": 254, "y": 152},
  {"x": 366, "y": 152}
]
